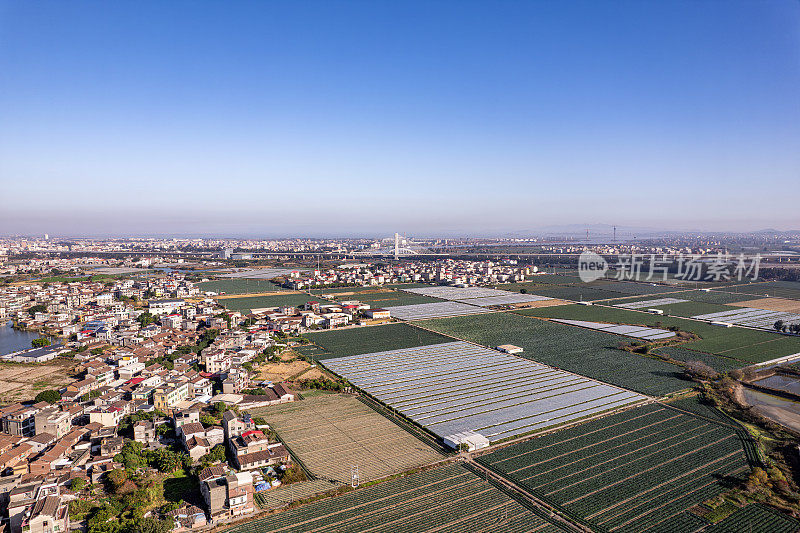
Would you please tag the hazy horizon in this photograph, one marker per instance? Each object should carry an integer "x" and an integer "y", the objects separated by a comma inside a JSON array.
[{"x": 355, "y": 118}]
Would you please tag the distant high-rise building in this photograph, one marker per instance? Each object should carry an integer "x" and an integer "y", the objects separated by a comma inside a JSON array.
[{"x": 46, "y": 237}]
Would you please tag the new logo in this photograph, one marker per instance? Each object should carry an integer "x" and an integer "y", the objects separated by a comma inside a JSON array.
[{"x": 591, "y": 266}]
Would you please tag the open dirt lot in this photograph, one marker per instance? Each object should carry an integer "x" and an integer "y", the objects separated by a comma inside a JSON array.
[
  {"x": 540, "y": 303},
  {"x": 282, "y": 371},
  {"x": 771, "y": 304},
  {"x": 24, "y": 381}
]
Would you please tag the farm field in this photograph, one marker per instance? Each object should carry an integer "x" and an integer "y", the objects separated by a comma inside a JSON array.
[
  {"x": 578, "y": 293},
  {"x": 749, "y": 346},
  {"x": 633, "y": 287},
  {"x": 779, "y": 289},
  {"x": 507, "y": 299},
  {"x": 355, "y": 341},
  {"x": 389, "y": 298},
  {"x": 756, "y": 518},
  {"x": 238, "y": 286},
  {"x": 751, "y": 317},
  {"x": 640, "y": 470},
  {"x": 330, "y": 433},
  {"x": 690, "y": 309},
  {"x": 444, "y": 499},
  {"x": 699, "y": 296},
  {"x": 458, "y": 293},
  {"x": 359, "y": 289},
  {"x": 718, "y": 363},
  {"x": 258, "y": 273},
  {"x": 773, "y": 304},
  {"x": 594, "y": 354},
  {"x": 285, "y": 494},
  {"x": 455, "y": 387},
  {"x": 436, "y": 310},
  {"x": 638, "y": 332},
  {"x": 248, "y": 303}
]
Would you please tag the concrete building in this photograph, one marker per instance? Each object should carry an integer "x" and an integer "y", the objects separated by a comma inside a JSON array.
[
  {"x": 53, "y": 421},
  {"x": 165, "y": 307}
]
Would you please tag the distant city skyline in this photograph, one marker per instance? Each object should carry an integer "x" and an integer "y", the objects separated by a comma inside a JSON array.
[{"x": 353, "y": 118}]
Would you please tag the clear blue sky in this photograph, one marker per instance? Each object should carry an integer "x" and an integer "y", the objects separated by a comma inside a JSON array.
[{"x": 369, "y": 117}]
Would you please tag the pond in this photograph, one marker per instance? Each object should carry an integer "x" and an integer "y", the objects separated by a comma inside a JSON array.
[
  {"x": 781, "y": 410},
  {"x": 14, "y": 340},
  {"x": 779, "y": 382}
]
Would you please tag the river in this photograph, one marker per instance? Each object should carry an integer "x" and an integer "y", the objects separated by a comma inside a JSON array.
[{"x": 14, "y": 340}]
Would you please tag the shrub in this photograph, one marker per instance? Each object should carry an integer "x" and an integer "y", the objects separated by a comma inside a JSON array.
[
  {"x": 41, "y": 342},
  {"x": 49, "y": 396}
]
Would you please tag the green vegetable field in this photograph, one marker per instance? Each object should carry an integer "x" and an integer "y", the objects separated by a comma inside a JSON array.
[
  {"x": 632, "y": 471},
  {"x": 747, "y": 345},
  {"x": 590, "y": 353},
  {"x": 448, "y": 498},
  {"x": 344, "y": 342}
]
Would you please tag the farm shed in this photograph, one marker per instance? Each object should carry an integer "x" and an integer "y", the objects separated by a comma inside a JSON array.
[{"x": 473, "y": 440}]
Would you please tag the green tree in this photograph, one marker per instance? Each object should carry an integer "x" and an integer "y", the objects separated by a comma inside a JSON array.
[
  {"x": 41, "y": 342},
  {"x": 49, "y": 396},
  {"x": 145, "y": 319},
  {"x": 131, "y": 455},
  {"x": 77, "y": 484},
  {"x": 40, "y": 308},
  {"x": 166, "y": 460},
  {"x": 216, "y": 455},
  {"x": 151, "y": 525},
  {"x": 207, "y": 420},
  {"x": 116, "y": 479}
]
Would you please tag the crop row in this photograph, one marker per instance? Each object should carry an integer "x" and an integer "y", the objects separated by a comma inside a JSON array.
[
  {"x": 629, "y": 471},
  {"x": 746, "y": 345},
  {"x": 756, "y": 518},
  {"x": 447, "y": 498},
  {"x": 590, "y": 353},
  {"x": 344, "y": 342},
  {"x": 329, "y": 434}
]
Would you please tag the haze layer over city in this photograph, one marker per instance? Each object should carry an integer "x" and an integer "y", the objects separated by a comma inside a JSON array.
[{"x": 422, "y": 267}]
